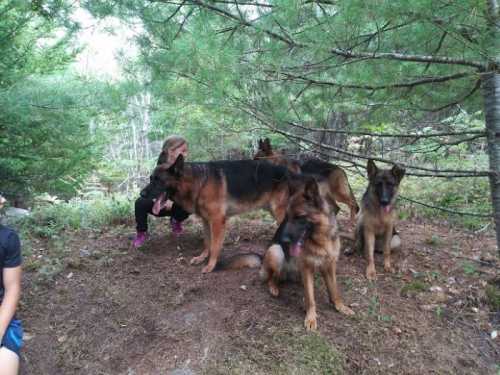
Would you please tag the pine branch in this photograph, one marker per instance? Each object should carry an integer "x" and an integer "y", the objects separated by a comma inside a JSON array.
[
  {"x": 446, "y": 209},
  {"x": 410, "y": 58},
  {"x": 410, "y": 84},
  {"x": 389, "y": 135}
]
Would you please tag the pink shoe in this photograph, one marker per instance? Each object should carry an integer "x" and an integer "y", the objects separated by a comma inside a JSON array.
[
  {"x": 139, "y": 239},
  {"x": 176, "y": 226}
]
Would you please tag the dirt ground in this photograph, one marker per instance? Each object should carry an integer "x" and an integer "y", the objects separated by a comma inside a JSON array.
[{"x": 110, "y": 309}]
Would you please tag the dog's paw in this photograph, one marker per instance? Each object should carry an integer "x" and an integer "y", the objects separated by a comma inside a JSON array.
[
  {"x": 310, "y": 322},
  {"x": 371, "y": 274},
  {"x": 197, "y": 260},
  {"x": 388, "y": 268},
  {"x": 208, "y": 268},
  {"x": 343, "y": 309},
  {"x": 274, "y": 290}
]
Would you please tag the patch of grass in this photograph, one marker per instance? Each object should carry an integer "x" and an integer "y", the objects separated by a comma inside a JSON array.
[
  {"x": 493, "y": 296},
  {"x": 469, "y": 269},
  {"x": 374, "y": 309},
  {"x": 48, "y": 221},
  {"x": 281, "y": 353},
  {"x": 413, "y": 287},
  {"x": 439, "y": 312},
  {"x": 348, "y": 283},
  {"x": 433, "y": 240},
  {"x": 374, "y": 306},
  {"x": 49, "y": 270}
]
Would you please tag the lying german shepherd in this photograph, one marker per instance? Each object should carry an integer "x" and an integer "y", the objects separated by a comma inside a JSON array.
[
  {"x": 305, "y": 242},
  {"x": 335, "y": 178},
  {"x": 217, "y": 190},
  {"x": 376, "y": 221}
]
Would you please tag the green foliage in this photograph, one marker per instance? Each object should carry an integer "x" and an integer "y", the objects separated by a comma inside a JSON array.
[
  {"x": 305, "y": 353},
  {"x": 78, "y": 214},
  {"x": 469, "y": 269},
  {"x": 493, "y": 296},
  {"x": 46, "y": 141},
  {"x": 413, "y": 287}
]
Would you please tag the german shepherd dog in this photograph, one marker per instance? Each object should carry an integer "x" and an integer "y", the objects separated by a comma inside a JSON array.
[
  {"x": 217, "y": 190},
  {"x": 306, "y": 241},
  {"x": 376, "y": 222},
  {"x": 334, "y": 177}
]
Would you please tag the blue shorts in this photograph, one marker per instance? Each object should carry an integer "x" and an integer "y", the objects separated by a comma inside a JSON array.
[{"x": 13, "y": 337}]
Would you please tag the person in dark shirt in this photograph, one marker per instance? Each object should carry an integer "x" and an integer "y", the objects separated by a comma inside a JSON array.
[{"x": 11, "y": 333}]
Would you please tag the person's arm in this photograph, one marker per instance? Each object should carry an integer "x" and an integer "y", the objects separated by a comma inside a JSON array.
[
  {"x": 11, "y": 275},
  {"x": 12, "y": 286}
]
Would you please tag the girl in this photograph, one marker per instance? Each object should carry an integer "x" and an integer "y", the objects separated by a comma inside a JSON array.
[{"x": 173, "y": 147}]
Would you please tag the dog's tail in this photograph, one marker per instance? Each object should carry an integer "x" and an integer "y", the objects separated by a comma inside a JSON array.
[
  {"x": 395, "y": 240},
  {"x": 237, "y": 262}
]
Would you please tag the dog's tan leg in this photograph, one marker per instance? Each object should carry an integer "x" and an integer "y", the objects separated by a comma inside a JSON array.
[
  {"x": 387, "y": 248},
  {"x": 217, "y": 232},
  {"x": 369, "y": 240},
  {"x": 278, "y": 208},
  {"x": 342, "y": 192},
  {"x": 206, "y": 245},
  {"x": 329, "y": 273},
  {"x": 307, "y": 274}
]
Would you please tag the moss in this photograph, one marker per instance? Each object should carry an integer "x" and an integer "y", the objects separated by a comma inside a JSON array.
[
  {"x": 493, "y": 296},
  {"x": 413, "y": 288},
  {"x": 281, "y": 353}
]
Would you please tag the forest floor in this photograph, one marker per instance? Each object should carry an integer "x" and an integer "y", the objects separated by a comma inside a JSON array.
[{"x": 110, "y": 309}]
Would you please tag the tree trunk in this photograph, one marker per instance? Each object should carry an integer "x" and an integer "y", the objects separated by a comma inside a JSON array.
[{"x": 491, "y": 93}]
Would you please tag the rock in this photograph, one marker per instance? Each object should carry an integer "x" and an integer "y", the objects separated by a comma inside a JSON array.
[
  {"x": 494, "y": 335},
  {"x": 84, "y": 253},
  {"x": 428, "y": 307},
  {"x": 13, "y": 214},
  {"x": 17, "y": 213},
  {"x": 62, "y": 338},
  {"x": 439, "y": 297},
  {"x": 243, "y": 287},
  {"x": 27, "y": 336}
]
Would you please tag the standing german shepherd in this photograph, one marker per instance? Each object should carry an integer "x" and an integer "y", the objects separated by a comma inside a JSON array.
[
  {"x": 217, "y": 190},
  {"x": 334, "y": 177},
  {"x": 375, "y": 225},
  {"x": 306, "y": 241}
]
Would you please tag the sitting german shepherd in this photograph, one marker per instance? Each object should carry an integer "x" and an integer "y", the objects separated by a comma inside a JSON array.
[
  {"x": 306, "y": 241},
  {"x": 217, "y": 190},
  {"x": 376, "y": 221},
  {"x": 334, "y": 177}
]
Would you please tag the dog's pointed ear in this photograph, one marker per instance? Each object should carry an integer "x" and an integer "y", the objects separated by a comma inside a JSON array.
[
  {"x": 311, "y": 191},
  {"x": 371, "y": 168},
  {"x": 398, "y": 172},
  {"x": 177, "y": 169}
]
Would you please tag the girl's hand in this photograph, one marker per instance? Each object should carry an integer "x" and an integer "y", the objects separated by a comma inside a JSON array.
[{"x": 168, "y": 204}]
